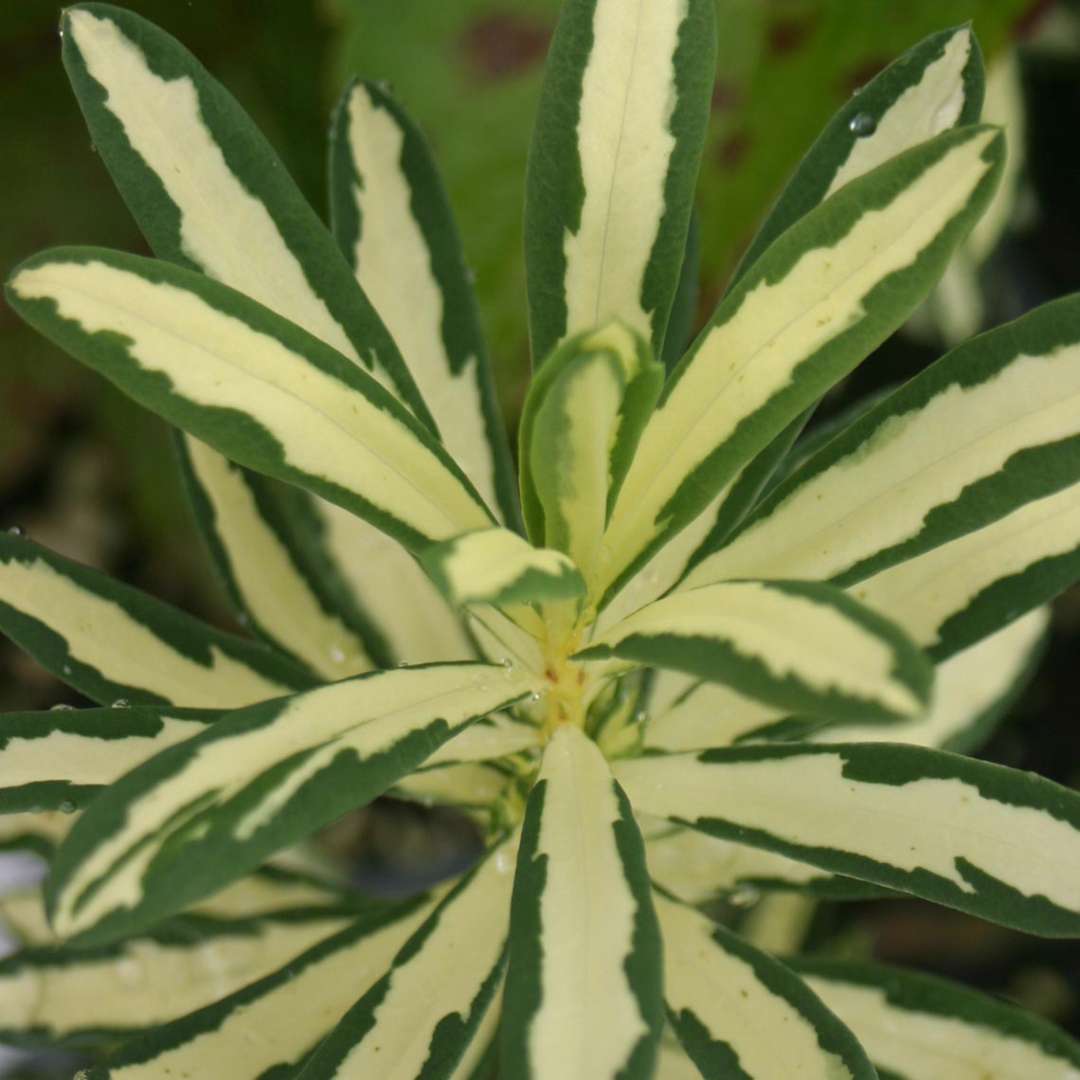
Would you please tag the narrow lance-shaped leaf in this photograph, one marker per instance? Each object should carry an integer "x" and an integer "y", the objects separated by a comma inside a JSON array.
[
  {"x": 207, "y": 189},
  {"x": 580, "y": 425},
  {"x": 613, "y": 164},
  {"x": 709, "y": 714},
  {"x": 997, "y": 843},
  {"x": 37, "y": 833},
  {"x": 496, "y": 566},
  {"x": 186, "y": 963},
  {"x": 392, "y": 219},
  {"x": 472, "y": 786},
  {"x": 255, "y": 533},
  {"x": 583, "y": 987},
  {"x": 961, "y": 592},
  {"x": 697, "y": 869},
  {"x": 674, "y": 1063},
  {"x": 112, "y": 642},
  {"x": 829, "y": 290},
  {"x": 934, "y": 86},
  {"x": 269, "y": 891},
  {"x": 989, "y": 428},
  {"x": 740, "y": 1013},
  {"x": 210, "y": 193},
  {"x": 922, "y": 1028},
  {"x": 387, "y": 583},
  {"x": 802, "y": 646},
  {"x": 208, "y": 810},
  {"x": 62, "y": 758},
  {"x": 272, "y": 1025},
  {"x": 973, "y": 690},
  {"x": 399, "y": 1029},
  {"x": 248, "y": 382}
]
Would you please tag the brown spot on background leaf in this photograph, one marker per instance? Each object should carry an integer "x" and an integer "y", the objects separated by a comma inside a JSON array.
[
  {"x": 504, "y": 44},
  {"x": 731, "y": 151},
  {"x": 1027, "y": 22},
  {"x": 786, "y": 35},
  {"x": 726, "y": 95}
]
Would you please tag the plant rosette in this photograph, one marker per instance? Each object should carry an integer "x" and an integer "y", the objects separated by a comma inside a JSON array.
[{"x": 664, "y": 666}]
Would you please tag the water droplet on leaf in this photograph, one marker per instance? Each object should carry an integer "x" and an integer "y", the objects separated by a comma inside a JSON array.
[
  {"x": 862, "y": 124},
  {"x": 61, "y": 708},
  {"x": 337, "y": 654},
  {"x": 16, "y": 530},
  {"x": 120, "y": 703},
  {"x": 67, "y": 807}
]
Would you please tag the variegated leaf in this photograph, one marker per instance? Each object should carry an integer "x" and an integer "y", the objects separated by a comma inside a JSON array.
[
  {"x": 579, "y": 427},
  {"x": 821, "y": 298},
  {"x": 59, "y": 995},
  {"x": 990, "y": 427},
  {"x": 504, "y": 641},
  {"x": 62, "y": 758},
  {"x": 399, "y": 1029},
  {"x": 209, "y": 193},
  {"x": 698, "y": 868},
  {"x": 981, "y": 838},
  {"x": 472, "y": 786},
  {"x": 741, "y": 1013},
  {"x": 583, "y": 987},
  {"x": 112, "y": 642},
  {"x": 38, "y": 833},
  {"x": 613, "y": 164},
  {"x": 707, "y": 714},
  {"x": 206, "y": 811},
  {"x": 271, "y": 1026},
  {"x": 268, "y": 891},
  {"x": 934, "y": 86},
  {"x": 674, "y": 1063},
  {"x": 965, "y": 590},
  {"x": 921, "y": 1028},
  {"x": 253, "y": 385},
  {"x": 973, "y": 690},
  {"x": 496, "y": 566},
  {"x": 802, "y": 646},
  {"x": 208, "y": 190},
  {"x": 388, "y": 584},
  {"x": 668, "y": 565},
  {"x": 256, "y": 535},
  {"x": 392, "y": 219}
]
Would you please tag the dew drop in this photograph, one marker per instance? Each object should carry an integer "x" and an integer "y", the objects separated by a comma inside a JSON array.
[
  {"x": 61, "y": 707},
  {"x": 120, "y": 703},
  {"x": 534, "y": 697},
  {"x": 337, "y": 654},
  {"x": 67, "y": 807},
  {"x": 66, "y": 669},
  {"x": 503, "y": 863},
  {"x": 745, "y": 896},
  {"x": 862, "y": 124},
  {"x": 16, "y": 530}
]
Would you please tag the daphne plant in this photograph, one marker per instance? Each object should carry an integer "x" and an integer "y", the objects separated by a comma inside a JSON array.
[{"x": 681, "y": 668}]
